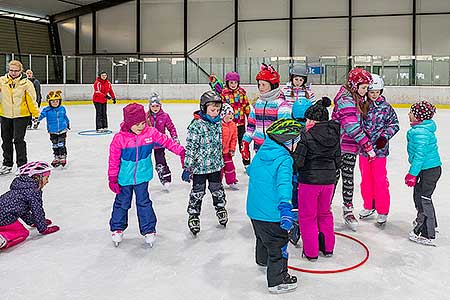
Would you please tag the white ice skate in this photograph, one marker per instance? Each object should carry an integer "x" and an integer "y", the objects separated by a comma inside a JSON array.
[
  {"x": 349, "y": 217},
  {"x": 420, "y": 239},
  {"x": 150, "y": 238},
  {"x": 234, "y": 186},
  {"x": 5, "y": 170},
  {"x": 381, "y": 220},
  {"x": 2, "y": 242},
  {"x": 117, "y": 237},
  {"x": 365, "y": 213},
  {"x": 288, "y": 285},
  {"x": 166, "y": 186}
]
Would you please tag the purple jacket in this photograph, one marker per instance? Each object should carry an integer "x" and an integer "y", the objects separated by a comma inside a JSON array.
[
  {"x": 345, "y": 112},
  {"x": 381, "y": 120},
  {"x": 162, "y": 121},
  {"x": 24, "y": 201}
]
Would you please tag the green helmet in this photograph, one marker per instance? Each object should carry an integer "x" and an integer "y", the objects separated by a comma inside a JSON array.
[{"x": 285, "y": 131}]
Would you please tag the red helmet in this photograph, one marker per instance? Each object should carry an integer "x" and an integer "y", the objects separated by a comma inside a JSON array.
[
  {"x": 358, "y": 76},
  {"x": 268, "y": 73}
]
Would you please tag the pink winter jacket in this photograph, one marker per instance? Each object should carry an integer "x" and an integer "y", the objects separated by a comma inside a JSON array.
[
  {"x": 162, "y": 121},
  {"x": 130, "y": 155}
]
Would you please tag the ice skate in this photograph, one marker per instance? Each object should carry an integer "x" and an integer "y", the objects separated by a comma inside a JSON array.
[
  {"x": 420, "y": 239},
  {"x": 5, "y": 170},
  {"x": 62, "y": 160},
  {"x": 234, "y": 186},
  {"x": 150, "y": 238},
  {"x": 349, "y": 217},
  {"x": 166, "y": 186},
  {"x": 365, "y": 213},
  {"x": 194, "y": 224},
  {"x": 381, "y": 220},
  {"x": 117, "y": 236},
  {"x": 309, "y": 258},
  {"x": 2, "y": 242},
  {"x": 56, "y": 162},
  {"x": 222, "y": 215},
  {"x": 289, "y": 284}
]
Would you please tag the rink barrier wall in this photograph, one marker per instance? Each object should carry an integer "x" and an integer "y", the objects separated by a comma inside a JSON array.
[{"x": 76, "y": 94}]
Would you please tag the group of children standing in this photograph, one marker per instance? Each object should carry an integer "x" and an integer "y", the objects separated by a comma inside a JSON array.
[{"x": 293, "y": 137}]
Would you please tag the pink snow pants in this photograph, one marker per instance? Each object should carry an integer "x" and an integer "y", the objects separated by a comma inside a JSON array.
[
  {"x": 314, "y": 216},
  {"x": 229, "y": 170},
  {"x": 375, "y": 184},
  {"x": 14, "y": 234}
]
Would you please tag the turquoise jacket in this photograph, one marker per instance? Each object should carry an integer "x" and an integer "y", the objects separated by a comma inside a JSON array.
[
  {"x": 423, "y": 151},
  {"x": 270, "y": 182}
]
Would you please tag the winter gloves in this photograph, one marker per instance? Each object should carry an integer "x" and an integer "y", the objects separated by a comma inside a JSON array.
[
  {"x": 286, "y": 216},
  {"x": 410, "y": 180},
  {"x": 186, "y": 176},
  {"x": 108, "y": 97},
  {"x": 381, "y": 142},
  {"x": 245, "y": 150},
  {"x": 50, "y": 229},
  {"x": 114, "y": 185},
  {"x": 370, "y": 152}
]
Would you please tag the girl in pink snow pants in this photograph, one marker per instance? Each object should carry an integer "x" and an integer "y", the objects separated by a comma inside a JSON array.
[
  {"x": 380, "y": 124},
  {"x": 317, "y": 157}
]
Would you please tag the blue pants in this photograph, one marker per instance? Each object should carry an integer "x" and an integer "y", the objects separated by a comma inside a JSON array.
[{"x": 122, "y": 203}]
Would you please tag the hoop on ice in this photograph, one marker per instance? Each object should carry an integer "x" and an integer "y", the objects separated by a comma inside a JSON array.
[
  {"x": 338, "y": 270},
  {"x": 93, "y": 132}
]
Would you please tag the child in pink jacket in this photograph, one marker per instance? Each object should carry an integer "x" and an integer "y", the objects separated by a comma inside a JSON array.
[
  {"x": 161, "y": 120},
  {"x": 229, "y": 140},
  {"x": 130, "y": 169}
]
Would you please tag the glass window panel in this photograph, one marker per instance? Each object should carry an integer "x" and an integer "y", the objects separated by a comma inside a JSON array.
[
  {"x": 162, "y": 26},
  {"x": 441, "y": 71},
  {"x": 89, "y": 73},
  {"x": 150, "y": 70},
  {"x": 263, "y": 39},
  {"x": 431, "y": 38},
  {"x": 86, "y": 33},
  {"x": 394, "y": 32},
  {"x": 427, "y": 6},
  {"x": 370, "y": 7},
  {"x": 263, "y": 9},
  {"x": 221, "y": 46},
  {"x": 424, "y": 70},
  {"x": 66, "y": 31},
  {"x": 320, "y": 8},
  {"x": 116, "y": 29}
]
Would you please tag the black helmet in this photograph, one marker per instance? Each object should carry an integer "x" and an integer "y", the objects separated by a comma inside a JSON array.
[{"x": 208, "y": 97}]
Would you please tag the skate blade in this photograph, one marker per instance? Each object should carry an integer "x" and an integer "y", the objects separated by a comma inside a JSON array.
[
  {"x": 352, "y": 227},
  {"x": 116, "y": 244},
  {"x": 380, "y": 225}
]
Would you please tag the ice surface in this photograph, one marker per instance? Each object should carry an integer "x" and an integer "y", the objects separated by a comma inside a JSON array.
[{"x": 80, "y": 261}]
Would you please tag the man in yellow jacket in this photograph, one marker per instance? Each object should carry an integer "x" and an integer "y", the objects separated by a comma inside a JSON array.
[{"x": 17, "y": 105}]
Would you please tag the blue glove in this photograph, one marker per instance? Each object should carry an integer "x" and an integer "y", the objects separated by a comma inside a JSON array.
[
  {"x": 186, "y": 176},
  {"x": 286, "y": 216}
]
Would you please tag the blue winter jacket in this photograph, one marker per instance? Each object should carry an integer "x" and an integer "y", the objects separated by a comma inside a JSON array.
[
  {"x": 270, "y": 182},
  {"x": 422, "y": 147},
  {"x": 57, "y": 120}
]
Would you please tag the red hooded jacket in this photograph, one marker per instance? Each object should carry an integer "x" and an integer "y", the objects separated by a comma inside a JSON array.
[{"x": 101, "y": 89}]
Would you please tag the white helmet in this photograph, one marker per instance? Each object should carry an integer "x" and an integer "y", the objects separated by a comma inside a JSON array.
[{"x": 378, "y": 83}]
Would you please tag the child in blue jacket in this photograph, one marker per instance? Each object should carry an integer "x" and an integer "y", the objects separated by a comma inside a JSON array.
[
  {"x": 57, "y": 126},
  {"x": 269, "y": 202},
  {"x": 425, "y": 170}
]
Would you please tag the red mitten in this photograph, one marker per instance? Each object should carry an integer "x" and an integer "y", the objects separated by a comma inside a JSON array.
[
  {"x": 245, "y": 150},
  {"x": 114, "y": 185},
  {"x": 381, "y": 142},
  {"x": 50, "y": 229},
  {"x": 410, "y": 180},
  {"x": 47, "y": 222}
]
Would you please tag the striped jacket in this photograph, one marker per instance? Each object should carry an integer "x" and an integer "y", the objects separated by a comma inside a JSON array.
[
  {"x": 381, "y": 121},
  {"x": 345, "y": 112},
  {"x": 239, "y": 102},
  {"x": 268, "y": 108},
  {"x": 130, "y": 157}
]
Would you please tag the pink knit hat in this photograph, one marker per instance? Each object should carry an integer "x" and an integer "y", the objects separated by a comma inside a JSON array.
[{"x": 133, "y": 114}]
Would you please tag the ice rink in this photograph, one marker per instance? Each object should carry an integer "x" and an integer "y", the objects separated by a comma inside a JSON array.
[{"x": 80, "y": 262}]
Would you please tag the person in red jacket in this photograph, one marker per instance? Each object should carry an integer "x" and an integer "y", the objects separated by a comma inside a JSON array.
[{"x": 102, "y": 93}]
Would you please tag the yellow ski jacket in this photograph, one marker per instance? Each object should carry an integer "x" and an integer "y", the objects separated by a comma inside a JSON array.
[{"x": 18, "y": 97}]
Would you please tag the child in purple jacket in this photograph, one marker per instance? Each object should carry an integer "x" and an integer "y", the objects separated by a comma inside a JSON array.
[
  {"x": 161, "y": 120},
  {"x": 380, "y": 124},
  {"x": 24, "y": 201}
]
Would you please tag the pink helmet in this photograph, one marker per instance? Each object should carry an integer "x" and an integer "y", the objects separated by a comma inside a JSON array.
[
  {"x": 233, "y": 76},
  {"x": 34, "y": 168}
]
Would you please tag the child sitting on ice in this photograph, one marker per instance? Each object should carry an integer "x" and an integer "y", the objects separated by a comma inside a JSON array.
[{"x": 24, "y": 201}]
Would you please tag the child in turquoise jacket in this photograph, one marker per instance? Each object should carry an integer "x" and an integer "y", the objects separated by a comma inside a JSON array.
[
  {"x": 269, "y": 201},
  {"x": 425, "y": 170}
]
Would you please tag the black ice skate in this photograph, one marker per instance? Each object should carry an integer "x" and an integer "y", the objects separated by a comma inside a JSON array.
[
  {"x": 194, "y": 224},
  {"x": 289, "y": 284},
  {"x": 56, "y": 162},
  {"x": 222, "y": 215}
]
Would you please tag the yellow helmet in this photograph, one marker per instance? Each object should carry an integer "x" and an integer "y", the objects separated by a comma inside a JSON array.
[{"x": 54, "y": 95}]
